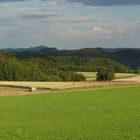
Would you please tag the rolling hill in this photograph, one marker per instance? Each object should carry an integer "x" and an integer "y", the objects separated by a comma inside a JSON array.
[{"x": 125, "y": 56}]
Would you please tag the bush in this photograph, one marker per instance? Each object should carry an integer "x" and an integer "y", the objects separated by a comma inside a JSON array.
[
  {"x": 71, "y": 76},
  {"x": 104, "y": 74}
]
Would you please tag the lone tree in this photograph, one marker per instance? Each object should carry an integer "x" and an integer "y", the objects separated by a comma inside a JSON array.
[{"x": 104, "y": 74}]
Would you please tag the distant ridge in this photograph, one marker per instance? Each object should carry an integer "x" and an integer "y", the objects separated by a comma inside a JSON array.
[
  {"x": 127, "y": 56},
  {"x": 119, "y": 49},
  {"x": 38, "y": 48}
]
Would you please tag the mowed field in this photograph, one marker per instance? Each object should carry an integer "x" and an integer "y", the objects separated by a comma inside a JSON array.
[{"x": 88, "y": 114}]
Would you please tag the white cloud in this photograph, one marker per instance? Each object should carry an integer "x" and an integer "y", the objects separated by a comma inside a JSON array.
[
  {"x": 95, "y": 32},
  {"x": 100, "y": 31}
]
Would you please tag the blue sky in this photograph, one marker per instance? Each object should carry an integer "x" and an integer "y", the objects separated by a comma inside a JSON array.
[{"x": 70, "y": 24}]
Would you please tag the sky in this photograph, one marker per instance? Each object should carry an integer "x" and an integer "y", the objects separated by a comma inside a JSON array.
[{"x": 70, "y": 24}]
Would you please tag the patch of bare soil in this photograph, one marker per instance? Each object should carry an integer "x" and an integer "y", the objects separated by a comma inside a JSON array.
[
  {"x": 131, "y": 79},
  {"x": 12, "y": 91}
]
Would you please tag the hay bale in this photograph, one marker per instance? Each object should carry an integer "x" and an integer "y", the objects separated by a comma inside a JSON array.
[{"x": 32, "y": 89}]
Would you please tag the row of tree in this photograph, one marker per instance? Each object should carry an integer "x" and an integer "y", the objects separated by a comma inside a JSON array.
[
  {"x": 57, "y": 68},
  {"x": 20, "y": 70},
  {"x": 76, "y": 63}
]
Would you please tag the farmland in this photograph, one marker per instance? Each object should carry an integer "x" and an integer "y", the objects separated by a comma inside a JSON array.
[
  {"x": 71, "y": 110},
  {"x": 68, "y": 85},
  {"x": 10, "y": 88},
  {"x": 101, "y": 114},
  {"x": 22, "y": 88},
  {"x": 69, "y": 70}
]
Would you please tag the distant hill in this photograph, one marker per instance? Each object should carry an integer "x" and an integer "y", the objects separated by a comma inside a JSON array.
[
  {"x": 85, "y": 52},
  {"x": 129, "y": 57},
  {"x": 126, "y": 56},
  {"x": 38, "y": 48},
  {"x": 114, "y": 49}
]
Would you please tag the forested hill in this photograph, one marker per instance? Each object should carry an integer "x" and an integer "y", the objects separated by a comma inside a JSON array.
[
  {"x": 127, "y": 57},
  {"x": 28, "y": 53}
]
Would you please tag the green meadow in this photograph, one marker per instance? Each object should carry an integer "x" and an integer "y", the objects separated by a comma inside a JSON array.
[{"x": 101, "y": 114}]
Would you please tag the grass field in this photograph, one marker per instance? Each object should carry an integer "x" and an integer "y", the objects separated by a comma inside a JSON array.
[
  {"x": 102, "y": 114},
  {"x": 91, "y": 76}
]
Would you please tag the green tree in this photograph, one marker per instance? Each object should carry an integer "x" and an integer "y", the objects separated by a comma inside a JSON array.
[{"x": 104, "y": 74}]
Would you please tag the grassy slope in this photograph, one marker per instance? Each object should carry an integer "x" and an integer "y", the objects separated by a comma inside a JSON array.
[{"x": 75, "y": 115}]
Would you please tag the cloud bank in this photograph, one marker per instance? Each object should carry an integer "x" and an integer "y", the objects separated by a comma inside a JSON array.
[
  {"x": 2, "y": 1},
  {"x": 107, "y": 2},
  {"x": 90, "y": 2},
  {"x": 69, "y": 23}
]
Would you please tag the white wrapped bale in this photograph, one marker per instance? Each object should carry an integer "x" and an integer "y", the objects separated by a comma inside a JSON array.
[{"x": 32, "y": 89}]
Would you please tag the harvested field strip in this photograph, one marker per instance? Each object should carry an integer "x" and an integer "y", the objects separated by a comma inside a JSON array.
[{"x": 64, "y": 85}]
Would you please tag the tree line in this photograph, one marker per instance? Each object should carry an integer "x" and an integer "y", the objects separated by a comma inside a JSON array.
[
  {"x": 54, "y": 68},
  {"x": 20, "y": 70}
]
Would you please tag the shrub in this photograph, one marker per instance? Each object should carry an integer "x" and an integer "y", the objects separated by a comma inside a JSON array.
[
  {"x": 104, "y": 74},
  {"x": 71, "y": 76}
]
